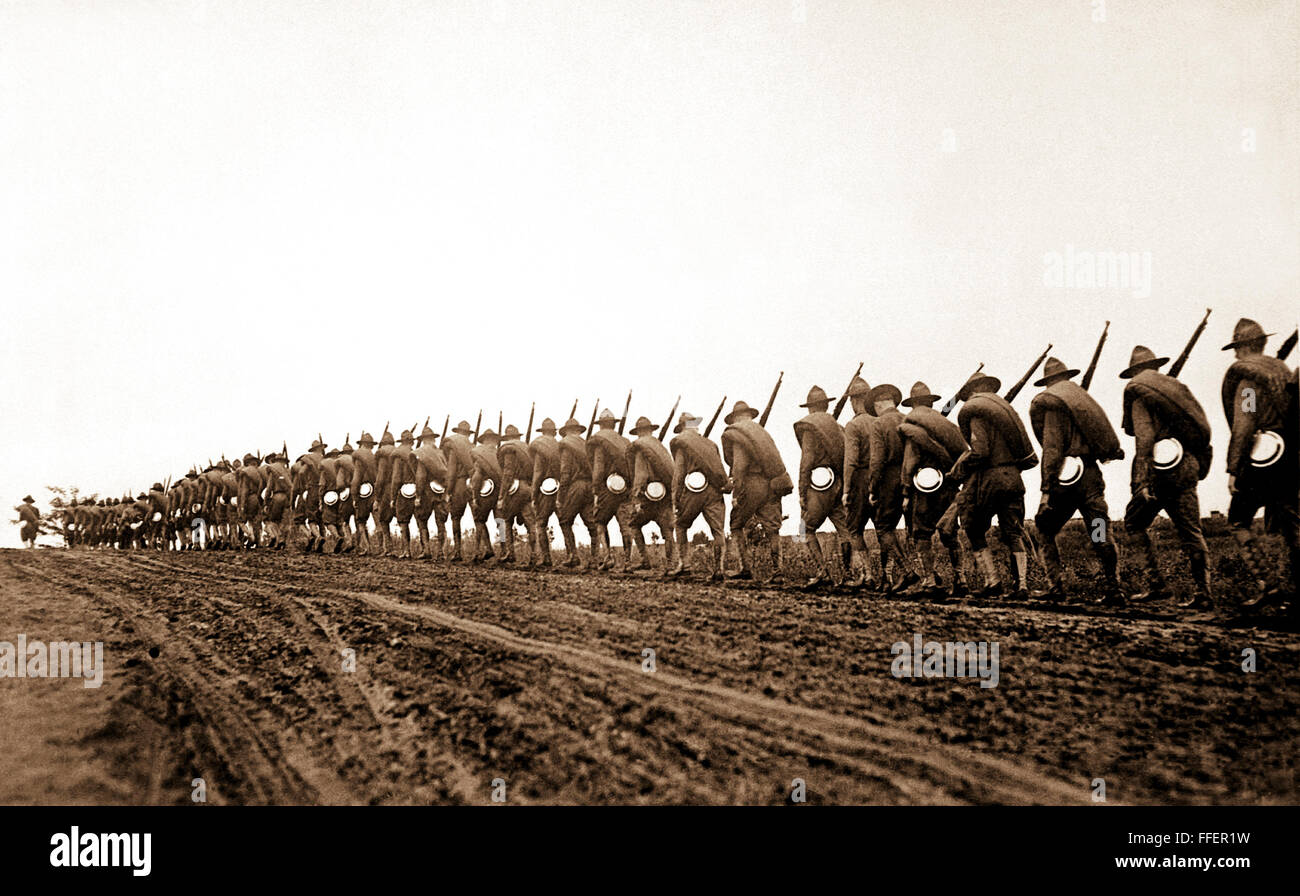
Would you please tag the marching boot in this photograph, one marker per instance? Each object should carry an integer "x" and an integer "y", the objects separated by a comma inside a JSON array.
[
  {"x": 679, "y": 559},
  {"x": 672, "y": 555},
  {"x": 1055, "y": 590},
  {"x": 1157, "y": 588},
  {"x": 544, "y": 542},
  {"x": 745, "y": 573},
  {"x": 774, "y": 552},
  {"x": 1202, "y": 598},
  {"x": 903, "y": 562},
  {"x": 719, "y": 559},
  {"x": 989, "y": 571},
  {"x": 606, "y": 551},
  {"x": 1020, "y": 563},
  {"x": 928, "y": 580},
  {"x": 856, "y": 568},
  {"x": 822, "y": 576},
  {"x": 457, "y": 554},
  {"x": 571, "y": 560},
  {"x": 959, "y": 588},
  {"x": 1250, "y": 559}
]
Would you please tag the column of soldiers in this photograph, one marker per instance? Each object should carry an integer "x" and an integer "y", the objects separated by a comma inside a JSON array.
[{"x": 910, "y": 475}]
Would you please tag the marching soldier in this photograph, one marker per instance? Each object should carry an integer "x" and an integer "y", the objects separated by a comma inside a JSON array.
[
  {"x": 404, "y": 489},
  {"x": 1075, "y": 436},
  {"x": 1261, "y": 403},
  {"x": 364, "y": 477},
  {"x": 330, "y": 501},
  {"x": 459, "y": 452},
  {"x": 229, "y": 501},
  {"x": 251, "y": 480},
  {"x": 545, "y": 456},
  {"x": 306, "y": 473},
  {"x": 516, "y": 502},
  {"x": 821, "y": 474},
  {"x": 484, "y": 487},
  {"x": 347, "y": 499},
  {"x": 931, "y": 445},
  {"x": 573, "y": 498},
  {"x": 991, "y": 468},
  {"x": 29, "y": 519},
  {"x": 877, "y": 462},
  {"x": 430, "y": 492},
  {"x": 386, "y": 486},
  {"x": 610, "y": 478},
  {"x": 279, "y": 497},
  {"x": 652, "y": 477},
  {"x": 1171, "y": 455},
  {"x": 699, "y": 482},
  {"x": 758, "y": 481}
]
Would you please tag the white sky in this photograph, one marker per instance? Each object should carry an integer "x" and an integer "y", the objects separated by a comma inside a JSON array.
[{"x": 227, "y": 224}]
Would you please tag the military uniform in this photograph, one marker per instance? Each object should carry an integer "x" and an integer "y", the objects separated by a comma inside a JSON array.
[
  {"x": 759, "y": 481},
  {"x": 1160, "y": 410},
  {"x": 386, "y": 486},
  {"x": 1261, "y": 403},
  {"x": 574, "y": 497},
  {"x": 515, "y": 504},
  {"x": 991, "y": 469},
  {"x": 931, "y": 445},
  {"x": 699, "y": 482},
  {"x": 611, "y": 490},
  {"x": 484, "y": 489},
  {"x": 458, "y": 451},
  {"x": 545, "y": 456},
  {"x": 363, "y": 487},
  {"x": 652, "y": 478},
  {"x": 821, "y": 475},
  {"x": 404, "y": 488},
  {"x": 430, "y": 493},
  {"x": 307, "y": 495},
  {"x": 29, "y": 519},
  {"x": 1075, "y": 436}
]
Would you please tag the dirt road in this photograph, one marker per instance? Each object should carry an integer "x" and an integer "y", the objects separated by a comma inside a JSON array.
[{"x": 234, "y": 668}]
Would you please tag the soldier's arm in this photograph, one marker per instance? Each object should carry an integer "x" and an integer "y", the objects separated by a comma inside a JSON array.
[
  {"x": 807, "y": 452},
  {"x": 567, "y": 469},
  {"x": 597, "y": 458},
  {"x": 679, "y": 470},
  {"x": 851, "y": 449},
  {"x": 1144, "y": 434},
  {"x": 876, "y": 463},
  {"x": 980, "y": 445},
  {"x": 1244, "y": 423},
  {"x": 1053, "y": 447}
]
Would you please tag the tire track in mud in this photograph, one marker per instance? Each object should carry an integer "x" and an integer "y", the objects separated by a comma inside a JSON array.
[
  {"x": 919, "y": 770},
  {"x": 263, "y": 771}
]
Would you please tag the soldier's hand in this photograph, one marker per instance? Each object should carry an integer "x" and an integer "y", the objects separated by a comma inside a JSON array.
[
  {"x": 1232, "y": 483},
  {"x": 1144, "y": 495}
]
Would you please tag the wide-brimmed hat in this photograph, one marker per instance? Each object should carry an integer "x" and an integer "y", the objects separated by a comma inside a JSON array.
[
  {"x": 643, "y": 424},
  {"x": 607, "y": 418},
  {"x": 920, "y": 395},
  {"x": 1245, "y": 331},
  {"x": 572, "y": 425},
  {"x": 685, "y": 420},
  {"x": 740, "y": 410},
  {"x": 816, "y": 395},
  {"x": 464, "y": 428},
  {"x": 29, "y": 500},
  {"x": 386, "y": 438},
  {"x": 366, "y": 440},
  {"x": 1054, "y": 370},
  {"x": 427, "y": 433},
  {"x": 547, "y": 428},
  {"x": 1141, "y": 359},
  {"x": 512, "y": 432},
  {"x": 858, "y": 386},
  {"x": 156, "y": 487},
  {"x": 883, "y": 392},
  {"x": 981, "y": 381},
  {"x": 489, "y": 435},
  {"x": 317, "y": 443}
]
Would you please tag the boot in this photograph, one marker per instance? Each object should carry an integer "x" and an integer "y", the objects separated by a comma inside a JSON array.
[{"x": 992, "y": 584}]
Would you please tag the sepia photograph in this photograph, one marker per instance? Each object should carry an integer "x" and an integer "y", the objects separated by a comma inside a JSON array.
[{"x": 886, "y": 404}]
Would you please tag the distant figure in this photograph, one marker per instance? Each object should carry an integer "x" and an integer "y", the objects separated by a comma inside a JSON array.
[{"x": 29, "y": 518}]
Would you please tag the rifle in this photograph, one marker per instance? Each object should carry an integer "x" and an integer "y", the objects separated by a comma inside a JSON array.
[
  {"x": 500, "y": 422},
  {"x": 1015, "y": 390},
  {"x": 716, "y": 414},
  {"x": 426, "y": 426},
  {"x": 528, "y": 433},
  {"x": 844, "y": 399},
  {"x": 1177, "y": 367},
  {"x": 573, "y": 411},
  {"x": 445, "y": 423},
  {"x": 1288, "y": 345},
  {"x": 592, "y": 425},
  {"x": 477, "y": 424},
  {"x": 952, "y": 402},
  {"x": 1096, "y": 356},
  {"x": 284, "y": 446},
  {"x": 663, "y": 430},
  {"x": 771, "y": 400},
  {"x": 622, "y": 424}
]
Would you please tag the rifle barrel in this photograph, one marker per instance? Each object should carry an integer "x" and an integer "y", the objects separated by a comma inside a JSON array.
[
  {"x": 663, "y": 430},
  {"x": 844, "y": 398},
  {"x": 1015, "y": 390},
  {"x": 1096, "y": 356},
  {"x": 717, "y": 413},
  {"x": 771, "y": 400},
  {"x": 1179, "y": 363}
]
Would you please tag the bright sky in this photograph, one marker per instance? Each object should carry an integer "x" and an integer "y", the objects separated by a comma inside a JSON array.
[{"x": 227, "y": 224}]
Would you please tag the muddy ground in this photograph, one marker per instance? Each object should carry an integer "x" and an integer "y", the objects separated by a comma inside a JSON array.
[{"x": 230, "y": 667}]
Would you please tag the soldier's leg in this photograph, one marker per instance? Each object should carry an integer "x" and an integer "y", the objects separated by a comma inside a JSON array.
[
  {"x": 1056, "y": 508},
  {"x": 1138, "y": 517},
  {"x": 977, "y": 517},
  {"x": 1096, "y": 519},
  {"x": 1241, "y": 516},
  {"x": 1184, "y": 509},
  {"x": 1011, "y": 527},
  {"x": 813, "y": 516}
]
